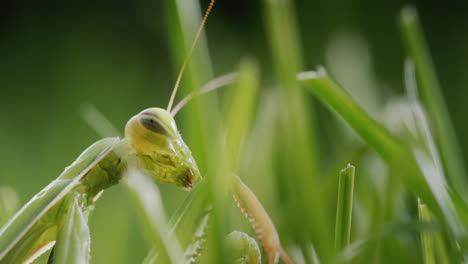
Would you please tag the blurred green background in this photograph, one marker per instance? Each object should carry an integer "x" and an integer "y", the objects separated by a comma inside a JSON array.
[{"x": 56, "y": 56}]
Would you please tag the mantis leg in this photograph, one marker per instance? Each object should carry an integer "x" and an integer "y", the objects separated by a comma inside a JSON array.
[
  {"x": 39, "y": 237},
  {"x": 34, "y": 227},
  {"x": 261, "y": 222},
  {"x": 243, "y": 249},
  {"x": 73, "y": 238},
  {"x": 65, "y": 228}
]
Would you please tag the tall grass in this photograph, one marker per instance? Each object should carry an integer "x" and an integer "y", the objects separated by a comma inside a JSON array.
[{"x": 406, "y": 204}]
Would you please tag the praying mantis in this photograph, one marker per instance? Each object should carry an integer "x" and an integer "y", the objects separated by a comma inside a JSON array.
[{"x": 152, "y": 144}]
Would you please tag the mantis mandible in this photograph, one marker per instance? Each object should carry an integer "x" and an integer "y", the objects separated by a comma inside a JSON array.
[{"x": 152, "y": 144}]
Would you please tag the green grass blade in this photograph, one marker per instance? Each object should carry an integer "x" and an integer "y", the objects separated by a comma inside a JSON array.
[
  {"x": 240, "y": 108},
  {"x": 190, "y": 214},
  {"x": 146, "y": 197},
  {"x": 190, "y": 224},
  {"x": 397, "y": 154},
  {"x": 201, "y": 114},
  {"x": 427, "y": 240},
  {"x": 344, "y": 208},
  {"x": 240, "y": 105},
  {"x": 300, "y": 152},
  {"x": 433, "y": 100},
  {"x": 433, "y": 245},
  {"x": 73, "y": 239},
  {"x": 441, "y": 249}
]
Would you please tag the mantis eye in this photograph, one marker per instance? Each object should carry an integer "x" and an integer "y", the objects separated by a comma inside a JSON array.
[{"x": 154, "y": 126}]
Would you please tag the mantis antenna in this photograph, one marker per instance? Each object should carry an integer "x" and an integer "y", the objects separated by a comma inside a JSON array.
[
  {"x": 182, "y": 69},
  {"x": 208, "y": 87}
]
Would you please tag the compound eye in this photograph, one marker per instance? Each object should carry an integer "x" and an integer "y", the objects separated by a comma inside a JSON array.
[{"x": 153, "y": 125}]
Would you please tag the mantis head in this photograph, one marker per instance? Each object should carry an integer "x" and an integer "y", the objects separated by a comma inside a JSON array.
[{"x": 159, "y": 148}]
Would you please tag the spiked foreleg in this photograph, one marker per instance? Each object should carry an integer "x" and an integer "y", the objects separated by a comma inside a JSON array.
[
  {"x": 261, "y": 222},
  {"x": 242, "y": 249}
]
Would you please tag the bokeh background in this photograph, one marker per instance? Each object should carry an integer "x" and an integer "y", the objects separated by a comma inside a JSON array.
[{"x": 56, "y": 56}]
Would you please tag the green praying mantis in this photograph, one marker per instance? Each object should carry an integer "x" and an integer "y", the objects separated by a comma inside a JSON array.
[{"x": 151, "y": 144}]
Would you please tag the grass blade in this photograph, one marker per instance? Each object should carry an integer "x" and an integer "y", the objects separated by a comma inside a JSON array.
[
  {"x": 301, "y": 169},
  {"x": 344, "y": 208},
  {"x": 433, "y": 245},
  {"x": 397, "y": 154},
  {"x": 189, "y": 223},
  {"x": 201, "y": 119},
  {"x": 147, "y": 199},
  {"x": 427, "y": 241},
  {"x": 433, "y": 100},
  {"x": 240, "y": 108}
]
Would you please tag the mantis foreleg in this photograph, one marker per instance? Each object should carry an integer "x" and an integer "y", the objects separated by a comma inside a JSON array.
[
  {"x": 261, "y": 222},
  {"x": 35, "y": 227},
  {"x": 243, "y": 249},
  {"x": 73, "y": 239}
]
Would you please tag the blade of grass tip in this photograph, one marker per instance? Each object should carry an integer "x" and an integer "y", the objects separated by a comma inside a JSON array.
[
  {"x": 147, "y": 199},
  {"x": 344, "y": 208},
  {"x": 427, "y": 239},
  {"x": 240, "y": 109},
  {"x": 393, "y": 151},
  {"x": 301, "y": 154},
  {"x": 73, "y": 239},
  {"x": 433, "y": 100}
]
